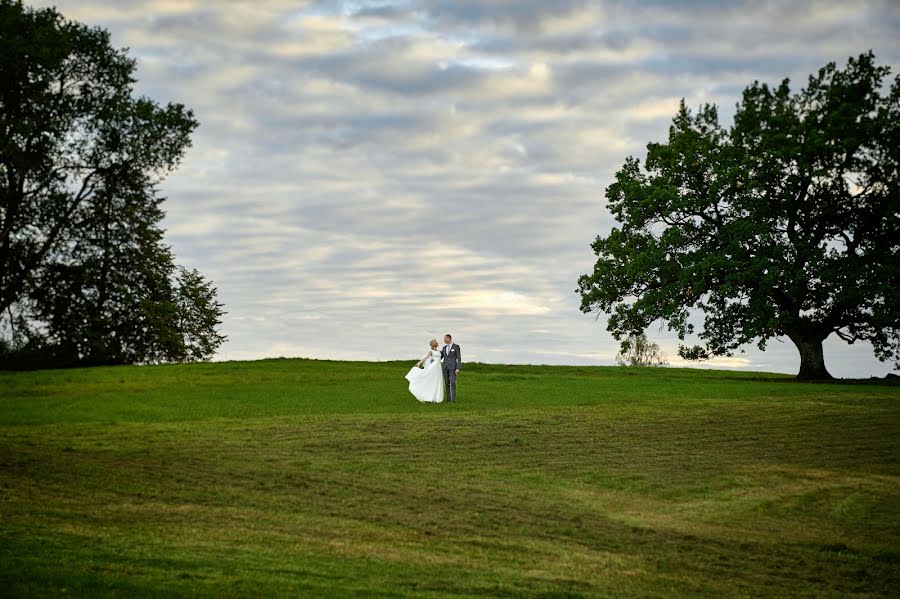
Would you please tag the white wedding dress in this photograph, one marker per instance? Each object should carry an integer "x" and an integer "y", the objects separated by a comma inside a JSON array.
[{"x": 427, "y": 384}]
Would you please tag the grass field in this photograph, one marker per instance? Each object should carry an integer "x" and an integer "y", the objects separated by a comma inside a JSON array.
[{"x": 303, "y": 477}]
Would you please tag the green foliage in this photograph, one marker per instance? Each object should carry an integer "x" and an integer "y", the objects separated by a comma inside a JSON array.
[
  {"x": 198, "y": 314},
  {"x": 784, "y": 225},
  {"x": 111, "y": 302},
  {"x": 84, "y": 274},
  {"x": 319, "y": 478},
  {"x": 637, "y": 350}
]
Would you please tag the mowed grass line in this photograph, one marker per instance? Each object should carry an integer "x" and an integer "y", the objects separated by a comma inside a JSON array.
[{"x": 304, "y": 477}]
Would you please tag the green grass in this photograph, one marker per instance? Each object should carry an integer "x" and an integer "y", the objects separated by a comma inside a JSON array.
[{"x": 303, "y": 477}]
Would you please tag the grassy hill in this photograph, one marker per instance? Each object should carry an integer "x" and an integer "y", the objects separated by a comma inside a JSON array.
[{"x": 304, "y": 477}]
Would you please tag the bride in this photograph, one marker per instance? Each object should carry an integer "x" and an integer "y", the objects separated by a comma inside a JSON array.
[{"x": 427, "y": 384}]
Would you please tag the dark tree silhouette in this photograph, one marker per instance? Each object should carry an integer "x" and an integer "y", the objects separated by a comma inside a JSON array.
[
  {"x": 84, "y": 274},
  {"x": 784, "y": 225}
]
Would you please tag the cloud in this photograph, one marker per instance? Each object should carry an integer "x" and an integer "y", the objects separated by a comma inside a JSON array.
[
  {"x": 527, "y": 15},
  {"x": 369, "y": 175}
]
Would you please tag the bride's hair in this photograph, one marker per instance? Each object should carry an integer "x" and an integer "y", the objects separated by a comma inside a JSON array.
[{"x": 433, "y": 343}]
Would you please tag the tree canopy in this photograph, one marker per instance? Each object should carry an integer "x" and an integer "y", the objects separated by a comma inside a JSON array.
[
  {"x": 784, "y": 225},
  {"x": 85, "y": 277}
]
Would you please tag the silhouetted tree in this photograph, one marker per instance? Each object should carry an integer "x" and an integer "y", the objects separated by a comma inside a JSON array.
[
  {"x": 84, "y": 273},
  {"x": 784, "y": 225}
]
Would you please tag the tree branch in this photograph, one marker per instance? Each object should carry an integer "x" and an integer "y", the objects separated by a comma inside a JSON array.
[{"x": 86, "y": 189}]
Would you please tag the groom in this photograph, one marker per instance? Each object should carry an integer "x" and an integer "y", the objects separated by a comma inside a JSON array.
[{"x": 452, "y": 360}]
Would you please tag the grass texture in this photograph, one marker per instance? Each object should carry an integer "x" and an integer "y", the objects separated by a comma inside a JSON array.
[{"x": 296, "y": 477}]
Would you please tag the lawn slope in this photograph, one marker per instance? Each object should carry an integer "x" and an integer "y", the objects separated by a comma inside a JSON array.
[{"x": 305, "y": 477}]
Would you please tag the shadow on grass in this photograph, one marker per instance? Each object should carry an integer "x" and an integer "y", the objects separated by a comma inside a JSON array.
[{"x": 889, "y": 380}]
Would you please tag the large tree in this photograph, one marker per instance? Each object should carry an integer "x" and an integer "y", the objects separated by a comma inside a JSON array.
[
  {"x": 82, "y": 264},
  {"x": 784, "y": 225}
]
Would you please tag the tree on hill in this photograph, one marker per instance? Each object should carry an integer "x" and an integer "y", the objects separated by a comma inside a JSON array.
[
  {"x": 784, "y": 225},
  {"x": 637, "y": 350},
  {"x": 84, "y": 275}
]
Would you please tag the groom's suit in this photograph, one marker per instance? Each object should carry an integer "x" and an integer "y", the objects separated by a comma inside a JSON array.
[{"x": 452, "y": 361}]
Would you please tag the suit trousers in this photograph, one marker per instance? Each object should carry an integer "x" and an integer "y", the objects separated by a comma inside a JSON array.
[{"x": 450, "y": 384}]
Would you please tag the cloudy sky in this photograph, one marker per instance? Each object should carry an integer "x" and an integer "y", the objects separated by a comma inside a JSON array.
[{"x": 368, "y": 175}]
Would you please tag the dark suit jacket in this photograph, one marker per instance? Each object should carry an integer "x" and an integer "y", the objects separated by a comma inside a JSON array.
[{"x": 453, "y": 360}]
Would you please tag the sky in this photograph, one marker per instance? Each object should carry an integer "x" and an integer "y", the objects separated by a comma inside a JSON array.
[{"x": 369, "y": 175}]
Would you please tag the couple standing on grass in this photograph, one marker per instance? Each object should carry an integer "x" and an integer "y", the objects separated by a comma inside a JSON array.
[{"x": 426, "y": 382}]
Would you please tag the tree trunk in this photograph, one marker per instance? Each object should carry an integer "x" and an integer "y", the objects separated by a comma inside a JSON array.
[{"x": 812, "y": 361}]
